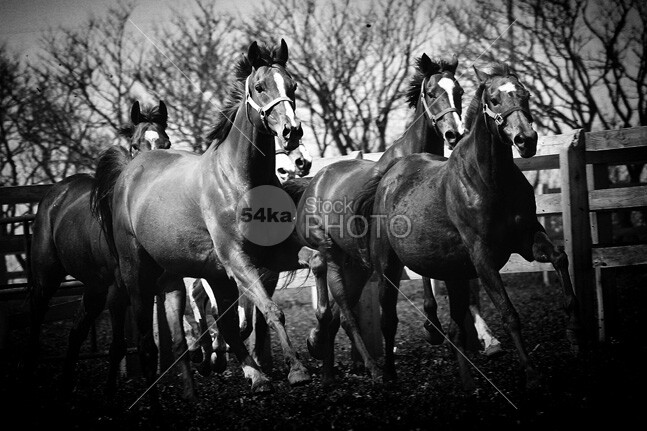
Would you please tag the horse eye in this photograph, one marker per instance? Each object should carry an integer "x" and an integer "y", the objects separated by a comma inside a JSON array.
[
  {"x": 495, "y": 101},
  {"x": 259, "y": 88}
]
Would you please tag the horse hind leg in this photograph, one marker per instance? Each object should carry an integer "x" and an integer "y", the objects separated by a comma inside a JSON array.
[
  {"x": 433, "y": 330},
  {"x": 544, "y": 250},
  {"x": 174, "y": 306},
  {"x": 47, "y": 275},
  {"x": 459, "y": 310},
  {"x": 320, "y": 341},
  {"x": 389, "y": 270},
  {"x": 491, "y": 345},
  {"x": 92, "y": 304},
  {"x": 118, "y": 305}
]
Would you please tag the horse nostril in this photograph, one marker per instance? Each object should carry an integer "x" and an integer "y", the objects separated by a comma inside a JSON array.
[
  {"x": 519, "y": 140},
  {"x": 299, "y": 162},
  {"x": 450, "y": 136},
  {"x": 286, "y": 131}
]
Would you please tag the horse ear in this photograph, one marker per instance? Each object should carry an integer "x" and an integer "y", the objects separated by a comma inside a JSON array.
[
  {"x": 428, "y": 66},
  {"x": 480, "y": 75},
  {"x": 453, "y": 64},
  {"x": 134, "y": 113},
  {"x": 281, "y": 56},
  {"x": 254, "y": 55},
  {"x": 163, "y": 111}
]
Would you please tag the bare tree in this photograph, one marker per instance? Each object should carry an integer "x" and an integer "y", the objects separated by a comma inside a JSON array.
[
  {"x": 79, "y": 93},
  {"x": 583, "y": 60},
  {"x": 351, "y": 62},
  {"x": 189, "y": 69}
]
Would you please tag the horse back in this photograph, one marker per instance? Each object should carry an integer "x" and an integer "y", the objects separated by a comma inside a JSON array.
[
  {"x": 66, "y": 231},
  {"x": 326, "y": 209}
]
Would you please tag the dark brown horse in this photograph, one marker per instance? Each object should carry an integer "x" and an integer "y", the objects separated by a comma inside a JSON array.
[
  {"x": 68, "y": 240},
  {"x": 325, "y": 215},
  {"x": 461, "y": 218},
  {"x": 176, "y": 213}
]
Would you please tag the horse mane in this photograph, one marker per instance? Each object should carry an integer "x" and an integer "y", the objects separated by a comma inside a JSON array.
[
  {"x": 490, "y": 69},
  {"x": 147, "y": 114},
  {"x": 235, "y": 94},
  {"x": 413, "y": 90}
]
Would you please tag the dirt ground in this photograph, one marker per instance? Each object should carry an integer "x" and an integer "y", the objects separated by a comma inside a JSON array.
[{"x": 602, "y": 388}]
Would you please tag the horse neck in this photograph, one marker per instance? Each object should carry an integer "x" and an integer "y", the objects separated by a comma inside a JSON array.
[
  {"x": 485, "y": 153},
  {"x": 247, "y": 154},
  {"x": 419, "y": 137}
]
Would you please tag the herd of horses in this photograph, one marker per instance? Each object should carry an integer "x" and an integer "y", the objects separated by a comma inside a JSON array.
[{"x": 155, "y": 220}]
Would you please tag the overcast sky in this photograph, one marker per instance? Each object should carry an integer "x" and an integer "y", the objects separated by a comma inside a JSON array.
[{"x": 23, "y": 21}]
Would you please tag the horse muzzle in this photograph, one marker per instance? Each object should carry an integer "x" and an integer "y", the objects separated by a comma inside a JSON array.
[{"x": 291, "y": 135}]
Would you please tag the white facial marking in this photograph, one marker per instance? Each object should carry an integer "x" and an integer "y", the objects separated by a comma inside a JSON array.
[
  {"x": 285, "y": 169},
  {"x": 241, "y": 316},
  {"x": 305, "y": 153},
  {"x": 448, "y": 85},
  {"x": 280, "y": 84},
  {"x": 508, "y": 87},
  {"x": 151, "y": 136}
]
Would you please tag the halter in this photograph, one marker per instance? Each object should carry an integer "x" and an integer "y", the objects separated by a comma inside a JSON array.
[
  {"x": 264, "y": 110},
  {"x": 434, "y": 118},
  {"x": 499, "y": 118}
]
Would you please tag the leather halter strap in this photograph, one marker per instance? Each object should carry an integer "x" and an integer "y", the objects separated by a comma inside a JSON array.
[
  {"x": 263, "y": 111},
  {"x": 434, "y": 118}
]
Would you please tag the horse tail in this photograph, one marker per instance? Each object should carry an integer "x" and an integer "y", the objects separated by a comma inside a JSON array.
[
  {"x": 111, "y": 163},
  {"x": 363, "y": 209},
  {"x": 295, "y": 188}
]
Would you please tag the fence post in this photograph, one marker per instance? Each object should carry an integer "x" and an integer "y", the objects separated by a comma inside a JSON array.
[{"x": 577, "y": 228}]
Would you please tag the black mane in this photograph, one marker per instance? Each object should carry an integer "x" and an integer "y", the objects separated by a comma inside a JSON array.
[{"x": 413, "y": 91}]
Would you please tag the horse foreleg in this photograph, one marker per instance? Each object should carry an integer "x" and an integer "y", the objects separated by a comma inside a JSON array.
[
  {"x": 491, "y": 346},
  {"x": 543, "y": 250},
  {"x": 433, "y": 332},
  {"x": 92, "y": 304},
  {"x": 227, "y": 300},
  {"x": 495, "y": 289},
  {"x": 174, "y": 305},
  {"x": 389, "y": 270},
  {"x": 320, "y": 343},
  {"x": 458, "y": 293},
  {"x": 252, "y": 282}
]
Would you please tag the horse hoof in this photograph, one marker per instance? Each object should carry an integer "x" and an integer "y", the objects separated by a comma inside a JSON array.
[
  {"x": 262, "y": 386},
  {"x": 204, "y": 369},
  {"x": 432, "y": 335},
  {"x": 299, "y": 376},
  {"x": 196, "y": 356},
  {"x": 493, "y": 351},
  {"x": 220, "y": 364},
  {"x": 313, "y": 347}
]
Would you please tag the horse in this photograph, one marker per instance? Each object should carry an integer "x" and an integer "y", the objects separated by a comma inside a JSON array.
[
  {"x": 212, "y": 355},
  {"x": 324, "y": 213},
  {"x": 67, "y": 240},
  {"x": 460, "y": 218},
  {"x": 175, "y": 212}
]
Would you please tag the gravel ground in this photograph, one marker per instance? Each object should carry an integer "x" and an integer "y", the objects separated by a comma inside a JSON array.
[{"x": 602, "y": 388}]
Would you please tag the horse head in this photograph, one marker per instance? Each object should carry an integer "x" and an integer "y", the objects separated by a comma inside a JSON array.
[
  {"x": 506, "y": 108},
  {"x": 440, "y": 95},
  {"x": 147, "y": 130},
  {"x": 290, "y": 164},
  {"x": 270, "y": 92}
]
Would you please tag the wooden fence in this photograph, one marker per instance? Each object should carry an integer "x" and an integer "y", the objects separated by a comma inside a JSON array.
[{"x": 585, "y": 203}]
